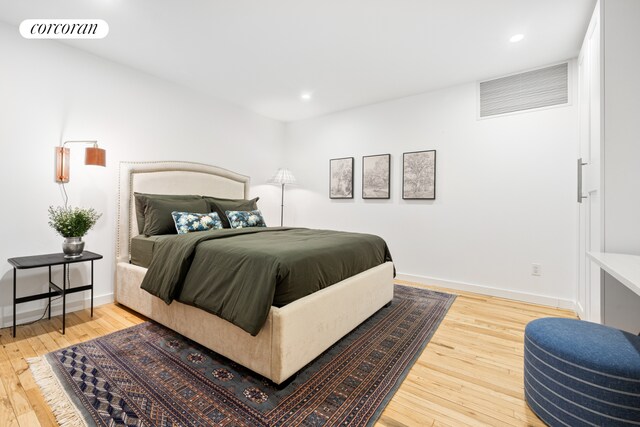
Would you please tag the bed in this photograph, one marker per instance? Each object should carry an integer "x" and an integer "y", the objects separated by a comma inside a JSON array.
[{"x": 292, "y": 335}]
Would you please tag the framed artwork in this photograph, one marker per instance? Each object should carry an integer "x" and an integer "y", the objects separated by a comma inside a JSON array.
[
  {"x": 419, "y": 175},
  {"x": 341, "y": 178},
  {"x": 376, "y": 176}
]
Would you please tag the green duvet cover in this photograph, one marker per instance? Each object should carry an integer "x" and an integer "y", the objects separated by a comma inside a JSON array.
[{"x": 238, "y": 274}]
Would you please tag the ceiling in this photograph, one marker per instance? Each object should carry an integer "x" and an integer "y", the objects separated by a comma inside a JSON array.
[{"x": 262, "y": 54}]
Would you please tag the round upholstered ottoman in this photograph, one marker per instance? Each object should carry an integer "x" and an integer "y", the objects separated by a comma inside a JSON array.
[{"x": 578, "y": 373}]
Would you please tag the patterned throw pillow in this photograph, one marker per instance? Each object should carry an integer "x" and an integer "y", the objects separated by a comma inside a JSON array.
[
  {"x": 187, "y": 222},
  {"x": 244, "y": 219}
]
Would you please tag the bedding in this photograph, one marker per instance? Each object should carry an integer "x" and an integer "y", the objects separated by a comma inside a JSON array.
[
  {"x": 238, "y": 274},
  {"x": 189, "y": 222},
  {"x": 222, "y": 205},
  {"x": 142, "y": 248},
  {"x": 244, "y": 219},
  {"x": 157, "y": 214},
  {"x": 141, "y": 200}
]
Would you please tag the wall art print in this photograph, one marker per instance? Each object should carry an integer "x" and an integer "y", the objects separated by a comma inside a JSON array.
[
  {"x": 419, "y": 175},
  {"x": 376, "y": 176},
  {"x": 341, "y": 178}
]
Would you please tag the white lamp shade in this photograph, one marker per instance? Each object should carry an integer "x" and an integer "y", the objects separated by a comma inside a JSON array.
[{"x": 283, "y": 176}]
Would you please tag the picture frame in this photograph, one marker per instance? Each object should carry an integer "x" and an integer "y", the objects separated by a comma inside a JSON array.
[
  {"x": 341, "y": 178},
  {"x": 419, "y": 175},
  {"x": 376, "y": 176}
]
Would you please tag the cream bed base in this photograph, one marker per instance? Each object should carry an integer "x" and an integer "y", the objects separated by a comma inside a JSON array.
[{"x": 293, "y": 335}]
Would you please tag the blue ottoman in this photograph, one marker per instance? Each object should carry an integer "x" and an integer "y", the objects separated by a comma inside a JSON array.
[{"x": 578, "y": 373}]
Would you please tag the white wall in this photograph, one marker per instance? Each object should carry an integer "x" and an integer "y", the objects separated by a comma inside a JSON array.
[
  {"x": 505, "y": 191},
  {"x": 49, "y": 93}
]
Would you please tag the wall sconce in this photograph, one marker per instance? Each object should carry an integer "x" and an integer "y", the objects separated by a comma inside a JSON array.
[{"x": 93, "y": 156}]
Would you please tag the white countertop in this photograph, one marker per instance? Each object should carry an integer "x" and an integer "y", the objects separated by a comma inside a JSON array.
[{"x": 624, "y": 268}]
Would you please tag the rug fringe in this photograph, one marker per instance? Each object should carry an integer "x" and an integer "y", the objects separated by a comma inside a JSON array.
[{"x": 54, "y": 394}]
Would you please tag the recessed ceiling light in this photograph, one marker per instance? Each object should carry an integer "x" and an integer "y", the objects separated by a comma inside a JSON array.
[
  {"x": 305, "y": 96},
  {"x": 516, "y": 38}
]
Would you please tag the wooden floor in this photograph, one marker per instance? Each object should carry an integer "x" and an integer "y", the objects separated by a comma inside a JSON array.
[{"x": 470, "y": 374}]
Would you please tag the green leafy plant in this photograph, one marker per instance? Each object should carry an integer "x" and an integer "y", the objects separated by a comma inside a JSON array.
[{"x": 72, "y": 222}]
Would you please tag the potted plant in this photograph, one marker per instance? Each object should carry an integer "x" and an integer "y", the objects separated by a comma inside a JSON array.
[{"x": 72, "y": 224}]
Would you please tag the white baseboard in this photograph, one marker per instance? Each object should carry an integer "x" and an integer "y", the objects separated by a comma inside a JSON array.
[
  {"x": 488, "y": 290},
  {"x": 31, "y": 315}
]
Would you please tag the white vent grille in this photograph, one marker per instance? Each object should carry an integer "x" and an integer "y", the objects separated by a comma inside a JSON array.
[{"x": 534, "y": 89}]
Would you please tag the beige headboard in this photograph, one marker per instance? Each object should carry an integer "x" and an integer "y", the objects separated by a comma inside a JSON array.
[{"x": 169, "y": 178}]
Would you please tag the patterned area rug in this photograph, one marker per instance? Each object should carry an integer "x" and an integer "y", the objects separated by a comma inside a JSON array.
[{"x": 148, "y": 375}]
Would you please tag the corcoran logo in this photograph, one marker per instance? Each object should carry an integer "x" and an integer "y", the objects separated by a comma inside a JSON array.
[{"x": 64, "y": 29}]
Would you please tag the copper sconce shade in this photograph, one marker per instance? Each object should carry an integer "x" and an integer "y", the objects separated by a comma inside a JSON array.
[{"x": 93, "y": 156}]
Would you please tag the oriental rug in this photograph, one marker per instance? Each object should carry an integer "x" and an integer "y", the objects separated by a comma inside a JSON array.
[{"x": 148, "y": 375}]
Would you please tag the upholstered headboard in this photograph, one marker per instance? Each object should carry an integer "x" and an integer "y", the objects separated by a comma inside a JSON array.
[{"x": 169, "y": 178}]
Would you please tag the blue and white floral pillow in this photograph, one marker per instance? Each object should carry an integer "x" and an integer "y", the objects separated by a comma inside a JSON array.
[
  {"x": 187, "y": 222},
  {"x": 244, "y": 219}
]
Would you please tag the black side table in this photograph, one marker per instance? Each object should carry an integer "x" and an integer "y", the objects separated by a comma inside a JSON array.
[{"x": 50, "y": 260}]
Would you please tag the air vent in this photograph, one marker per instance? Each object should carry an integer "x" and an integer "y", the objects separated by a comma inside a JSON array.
[{"x": 525, "y": 91}]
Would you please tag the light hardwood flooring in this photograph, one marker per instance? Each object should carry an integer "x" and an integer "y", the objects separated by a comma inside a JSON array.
[{"x": 470, "y": 374}]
